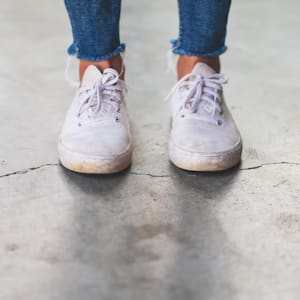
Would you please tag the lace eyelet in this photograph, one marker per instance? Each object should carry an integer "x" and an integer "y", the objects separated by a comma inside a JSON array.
[
  {"x": 117, "y": 119},
  {"x": 79, "y": 124},
  {"x": 182, "y": 116},
  {"x": 219, "y": 122}
]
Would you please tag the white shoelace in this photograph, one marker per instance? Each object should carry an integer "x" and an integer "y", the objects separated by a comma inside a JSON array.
[
  {"x": 103, "y": 95},
  {"x": 201, "y": 92}
]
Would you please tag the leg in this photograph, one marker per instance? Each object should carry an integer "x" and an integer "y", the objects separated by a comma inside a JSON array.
[
  {"x": 95, "y": 27},
  {"x": 204, "y": 136},
  {"x": 202, "y": 33},
  {"x": 95, "y": 137}
]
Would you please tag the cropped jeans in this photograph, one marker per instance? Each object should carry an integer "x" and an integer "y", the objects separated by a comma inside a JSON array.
[{"x": 95, "y": 28}]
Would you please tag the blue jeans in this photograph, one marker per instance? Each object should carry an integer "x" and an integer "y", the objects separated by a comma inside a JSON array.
[{"x": 95, "y": 27}]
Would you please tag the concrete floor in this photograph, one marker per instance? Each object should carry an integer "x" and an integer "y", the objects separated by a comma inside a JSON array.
[{"x": 153, "y": 232}]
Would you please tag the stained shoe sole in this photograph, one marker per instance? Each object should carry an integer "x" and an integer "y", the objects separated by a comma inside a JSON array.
[
  {"x": 192, "y": 161},
  {"x": 94, "y": 164}
]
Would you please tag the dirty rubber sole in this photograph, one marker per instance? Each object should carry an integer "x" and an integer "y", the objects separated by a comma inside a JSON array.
[
  {"x": 191, "y": 161},
  {"x": 93, "y": 164}
]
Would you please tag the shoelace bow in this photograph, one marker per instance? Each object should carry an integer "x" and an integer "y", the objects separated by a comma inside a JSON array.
[
  {"x": 107, "y": 89},
  {"x": 200, "y": 89}
]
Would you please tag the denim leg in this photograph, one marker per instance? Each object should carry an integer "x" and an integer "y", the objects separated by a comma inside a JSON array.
[
  {"x": 202, "y": 29},
  {"x": 95, "y": 28}
]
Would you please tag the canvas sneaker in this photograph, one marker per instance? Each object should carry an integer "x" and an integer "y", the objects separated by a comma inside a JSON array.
[
  {"x": 204, "y": 136},
  {"x": 96, "y": 137}
]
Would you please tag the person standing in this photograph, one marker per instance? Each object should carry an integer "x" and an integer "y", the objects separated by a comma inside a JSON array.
[{"x": 96, "y": 135}]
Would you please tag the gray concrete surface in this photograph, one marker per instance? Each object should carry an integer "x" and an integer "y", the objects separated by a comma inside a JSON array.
[{"x": 153, "y": 232}]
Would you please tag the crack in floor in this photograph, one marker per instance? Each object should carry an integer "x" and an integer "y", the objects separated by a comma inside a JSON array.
[
  {"x": 271, "y": 164},
  {"x": 25, "y": 171},
  {"x": 149, "y": 174}
]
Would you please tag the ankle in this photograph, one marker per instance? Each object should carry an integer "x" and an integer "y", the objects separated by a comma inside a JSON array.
[
  {"x": 186, "y": 64},
  {"x": 115, "y": 62}
]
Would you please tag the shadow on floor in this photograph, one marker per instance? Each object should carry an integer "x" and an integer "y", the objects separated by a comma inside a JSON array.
[{"x": 110, "y": 235}]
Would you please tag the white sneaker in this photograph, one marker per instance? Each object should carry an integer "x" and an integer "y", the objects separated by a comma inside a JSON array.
[
  {"x": 204, "y": 136},
  {"x": 96, "y": 136}
]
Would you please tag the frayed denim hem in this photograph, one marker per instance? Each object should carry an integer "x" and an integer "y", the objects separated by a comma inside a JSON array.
[
  {"x": 176, "y": 49},
  {"x": 73, "y": 50}
]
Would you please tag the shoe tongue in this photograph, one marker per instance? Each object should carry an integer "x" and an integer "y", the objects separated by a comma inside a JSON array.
[
  {"x": 91, "y": 75},
  {"x": 203, "y": 69}
]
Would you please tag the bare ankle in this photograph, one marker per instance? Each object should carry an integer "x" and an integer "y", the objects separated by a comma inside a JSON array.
[
  {"x": 186, "y": 64},
  {"x": 115, "y": 62}
]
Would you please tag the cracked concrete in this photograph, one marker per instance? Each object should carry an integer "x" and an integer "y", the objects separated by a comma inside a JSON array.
[
  {"x": 153, "y": 231},
  {"x": 26, "y": 171},
  {"x": 271, "y": 164}
]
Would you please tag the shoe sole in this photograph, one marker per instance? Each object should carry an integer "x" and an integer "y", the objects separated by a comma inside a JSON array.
[
  {"x": 94, "y": 164},
  {"x": 192, "y": 161}
]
